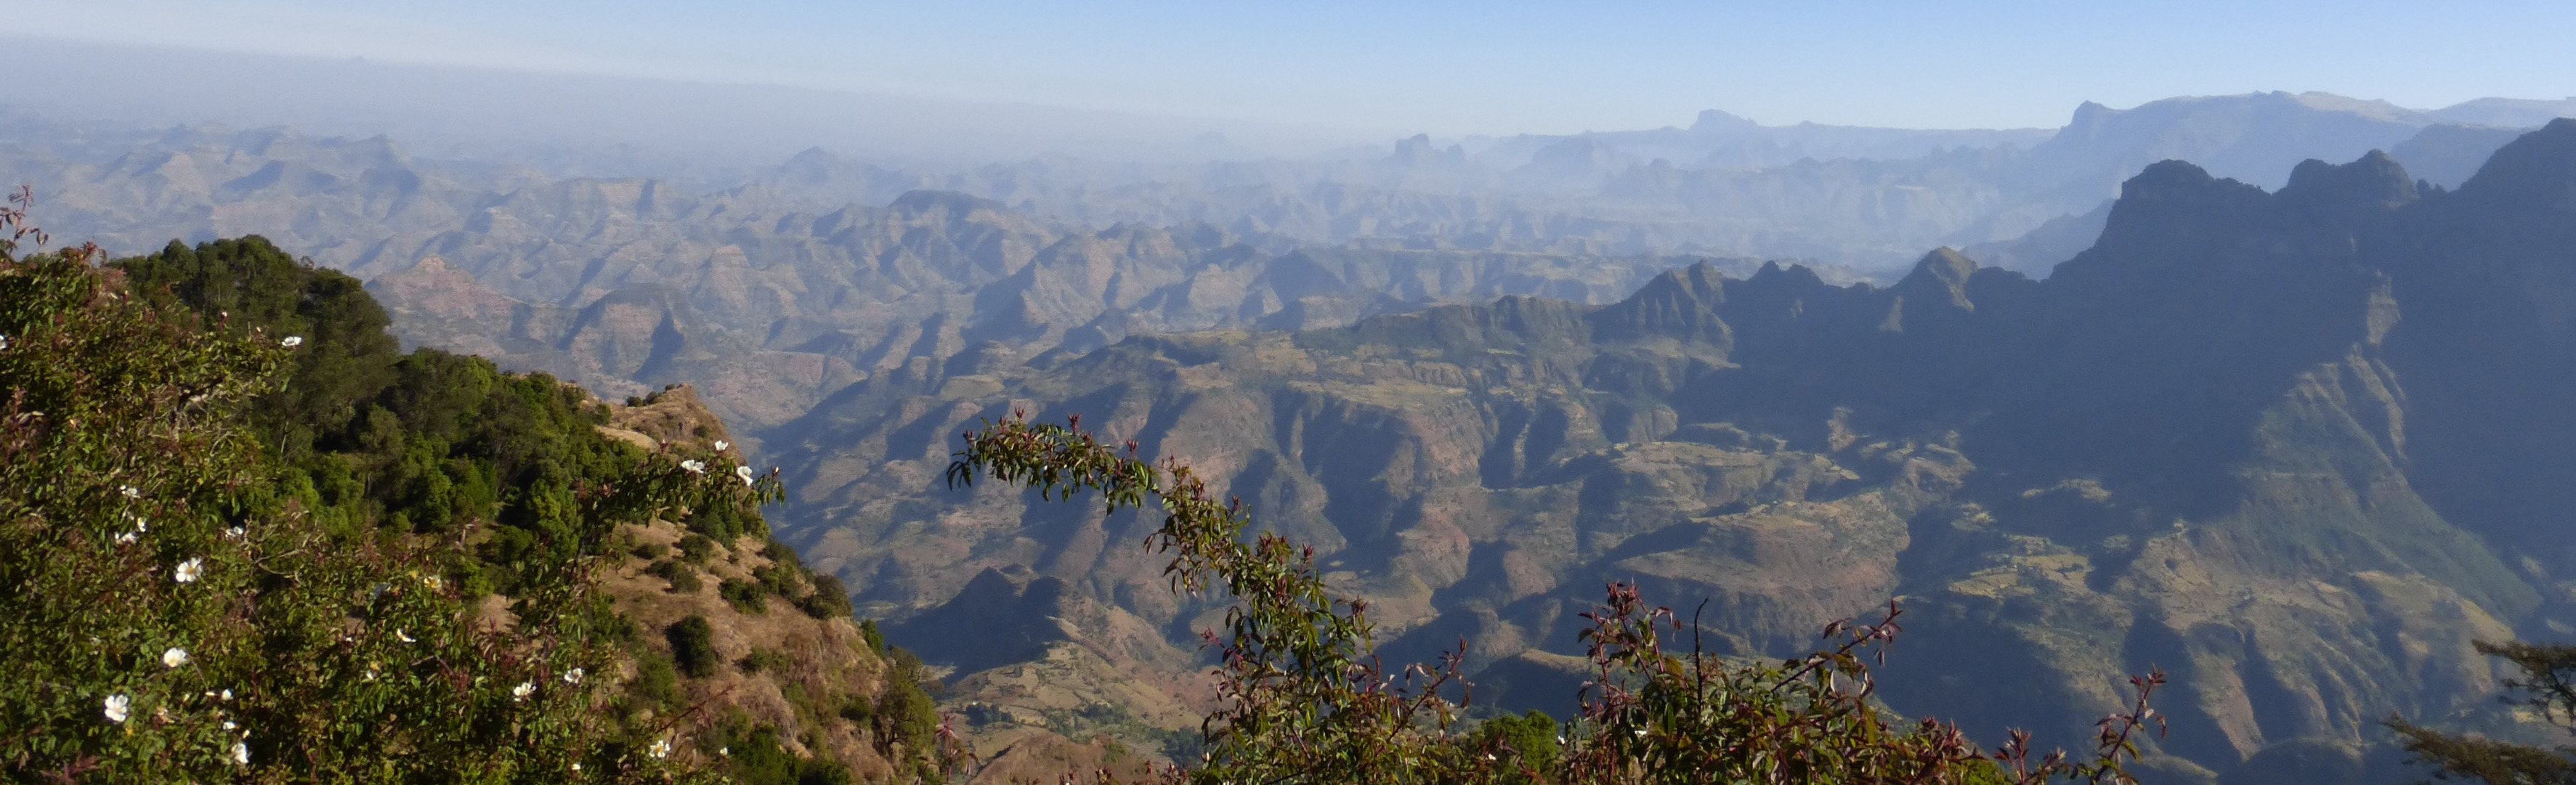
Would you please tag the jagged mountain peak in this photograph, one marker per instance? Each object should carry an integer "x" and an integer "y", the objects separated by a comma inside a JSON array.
[
  {"x": 2169, "y": 202},
  {"x": 2540, "y": 166},
  {"x": 1776, "y": 274},
  {"x": 1419, "y": 150},
  {"x": 1941, "y": 277},
  {"x": 2176, "y": 221},
  {"x": 2168, "y": 177},
  {"x": 2375, "y": 184},
  {"x": 1573, "y": 157},
  {"x": 1713, "y": 121},
  {"x": 1945, "y": 265},
  {"x": 1678, "y": 302}
]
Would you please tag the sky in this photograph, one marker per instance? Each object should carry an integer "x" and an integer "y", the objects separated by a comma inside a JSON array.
[{"x": 1447, "y": 68}]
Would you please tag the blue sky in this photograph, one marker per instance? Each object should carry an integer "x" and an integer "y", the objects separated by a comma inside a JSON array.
[{"x": 1442, "y": 67}]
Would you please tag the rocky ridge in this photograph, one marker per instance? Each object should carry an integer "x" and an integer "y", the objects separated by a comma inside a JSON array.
[{"x": 2260, "y": 439}]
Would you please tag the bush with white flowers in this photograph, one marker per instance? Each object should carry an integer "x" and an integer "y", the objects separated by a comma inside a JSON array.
[{"x": 179, "y": 608}]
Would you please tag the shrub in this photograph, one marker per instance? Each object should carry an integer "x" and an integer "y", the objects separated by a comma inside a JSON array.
[
  {"x": 683, "y": 578},
  {"x": 761, "y": 660},
  {"x": 1306, "y": 702},
  {"x": 904, "y": 712},
  {"x": 693, "y": 647},
  {"x": 779, "y": 578},
  {"x": 655, "y": 680},
  {"x": 1524, "y": 742},
  {"x": 189, "y": 603},
  {"x": 695, "y": 548},
  {"x": 859, "y": 710},
  {"x": 875, "y": 639},
  {"x": 744, "y": 596},
  {"x": 828, "y": 600},
  {"x": 237, "y": 524}
]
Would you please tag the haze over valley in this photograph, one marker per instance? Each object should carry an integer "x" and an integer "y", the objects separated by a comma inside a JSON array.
[{"x": 2264, "y": 389}]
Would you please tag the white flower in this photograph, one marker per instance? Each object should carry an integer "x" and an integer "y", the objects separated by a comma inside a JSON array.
[
  {"x": 743, "y": 472},
  {"x": 4, "y": 342},
  {"x": 694, "y": 467},
  {"x": 228, "y": 725},
  {"x": 576, "y": 766},
  {"x": 433, "y": 581},
  {"x": 726, "y": 751},
  {"x": 235, "y": 533},
  {"x": 130, "y": 492},
  {"x": 226, "y": 694},
  {"x": 521, "y": 692},
  {"x": 292, "y": 341},
  {"x": 661, "y": 748},
  {"x": 371, "y": 675},
  {"x": 174, "y": 657},
  {"x": 241, "y": 753},
  {"x": 116, "y": 708},
  {"x": 188, "y": 570},
  {"x": 404, "y": 637},
  {"x": 1641, "y": 733},
  {"x": 722, "y": 444},
  {"x": 125, "y": 539},
  {"x": 572, "y": 676}
]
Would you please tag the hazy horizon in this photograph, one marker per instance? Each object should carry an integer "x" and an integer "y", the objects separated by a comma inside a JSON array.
[
  {"x": 1439, "y": 68},
  {"x": 465, "y": 110},
  {"x": 1728, "y": 188}
]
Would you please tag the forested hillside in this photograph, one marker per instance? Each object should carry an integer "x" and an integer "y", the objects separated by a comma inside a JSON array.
[{"x": 250, "y": 540}]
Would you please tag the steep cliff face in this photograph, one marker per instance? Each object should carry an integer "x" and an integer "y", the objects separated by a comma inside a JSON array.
[{"x": 2299, "y": 448}]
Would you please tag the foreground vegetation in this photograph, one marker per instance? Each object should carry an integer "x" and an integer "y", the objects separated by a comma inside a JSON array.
[
  {"x": 250, "y": 540},
  {"x": 2547, "y": 687},
  {"x": 1307, "y": 703}
]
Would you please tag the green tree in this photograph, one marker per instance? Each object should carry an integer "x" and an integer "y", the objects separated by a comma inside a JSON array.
[{"x": 247, "y": 286}]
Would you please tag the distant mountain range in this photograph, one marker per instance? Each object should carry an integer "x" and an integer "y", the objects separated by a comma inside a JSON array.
[
  {"x": 1866, "y": 198},
  {"x": 630, "y": 284},
  {"x": 1870, "y": 198},
  {"x": 2299, "y": 448},
  {"x": 798, "y": 283},
  {"x": 2299, "y": 445}
]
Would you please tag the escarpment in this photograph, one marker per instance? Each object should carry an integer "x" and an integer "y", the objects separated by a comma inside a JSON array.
[{"x": 2298, "y": 448}]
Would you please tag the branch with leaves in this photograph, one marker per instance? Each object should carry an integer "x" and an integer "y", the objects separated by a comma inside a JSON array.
[{"x": 1308, "y": 703}]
